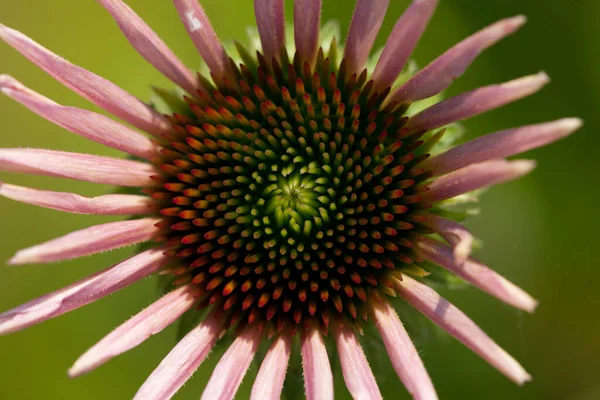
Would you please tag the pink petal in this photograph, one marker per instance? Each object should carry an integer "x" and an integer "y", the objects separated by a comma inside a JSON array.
[
  {"x": 307, "y": 23},
  {"x": 366, "y": 22},
  {"x": 501, "y": 144},
  {"x": 476, "y": 176},
  {"x": 92, "y": 240},
  {"x": 85, "y": 291},
  {"x": 401, "y": 42},
  {"x": 454, "y": 233},
  {"x": 440, "y": 74},
  {"x": 179, "y": 365},
  {"x": 88, "y": 124},
  {"x": 456, "y": 323},
  {"x": 358, "y": 375},
  {"x": 269, "y": 381},
  {"x": 137, "y": 329},
  {"x": 318, "y": 377},
  {"x": 475, "y": 102},
  {"x": 229, "y": 372},
  {"x": 99, "y": 91},
  {"x": 150, "y": 46},
  {"x": 402, "y": 352},
  {"x": 110, "y": 204},
  {"x": 477, "y": 274},
  {"x": 270, "y": 21},
  {"x": 83, "y": 167}
]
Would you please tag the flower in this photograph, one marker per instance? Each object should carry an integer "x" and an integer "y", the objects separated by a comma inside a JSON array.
[{"x": 291, "y": 193}]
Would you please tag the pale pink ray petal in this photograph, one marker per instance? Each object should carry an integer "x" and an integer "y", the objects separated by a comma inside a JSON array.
[
  {"x": 92, "y": 240},
  {"x": 501, "y": 144},
  {"x": 477, "y": 274},
  {"x": 440, "y": 74},
  {"x": 307, "y": 23},
  {"x": 456, "y": 323},
  {"x": 476, "y": 176},
  {"x": 357, "y": 374},
  {"x": 269, "y": 381},
  {"x": 136, "y": 330},
  {"x": 454, "y": 233},
  {"x": 85, "y": 291},
  {"x": 90, "y": 125},
  {"x": 229, "y": 372},
  {"x": 366, "y": 22},
  {"x": 150, "y": 46},
  {"x": 109, "y": 204},
  {"x": 475, "y": 102},
  {"x": 83, "y": 167},
  {"x": 318, "y": 377},
  {"x": 401, "y": 42},
  {"x": 402, "y": 352},
  {"x": 270, "y": 21},
  {"x": 179, "y": 365},
  {"x": 99, "y": 91}
]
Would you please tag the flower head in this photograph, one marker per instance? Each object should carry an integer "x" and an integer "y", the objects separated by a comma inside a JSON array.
[{"x": 289, "y": 192}]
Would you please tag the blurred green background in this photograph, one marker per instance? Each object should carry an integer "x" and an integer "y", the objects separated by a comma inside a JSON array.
[{"x": 538, "y": 231}]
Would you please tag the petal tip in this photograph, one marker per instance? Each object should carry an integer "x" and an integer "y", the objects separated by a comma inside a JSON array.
[
  {"x": 570, "y": 125},
  {"x": 523, "y": 167}
]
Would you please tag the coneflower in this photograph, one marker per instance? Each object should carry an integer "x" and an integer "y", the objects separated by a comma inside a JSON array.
[{"x": 290, "y": 192}]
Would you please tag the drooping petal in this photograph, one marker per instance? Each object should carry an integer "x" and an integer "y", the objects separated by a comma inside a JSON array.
[
  {"x": 475, "y": 102},
  {"x": 501, "y": 144},
  {"x": 179, "y": 365},
  {"x": 476, "y": 176},
  {"x": 229, "y": 372},
  {"x": 318, "y": 378},
  {"x": 366, "y": 22},
  {"x": 401, "y": 42},
  {"x": 137, "y": 329},
  {"x": 307, "y": 23},
  {"x": 456, "y": 323},
  {"x": 454, "y": 233},
  {"x": 83, "y": 167},
  {"x": 83, "y": 292},
  {"x": 270, "y": 21},
  {"x": 150, "y": 46},
  {"x": 92, "y": 240},
  {"x": 477, "y": 274},
  {"x": 402, "y": 352},
  {"x": 269, "y": 381},
  {"x": 440, "y": 74},
  {"x": 357, "y": 374},
  {"x": 109, "y": 204},
  {"x": 99, "y": 91},
  {"x": 90, "y": 125}
]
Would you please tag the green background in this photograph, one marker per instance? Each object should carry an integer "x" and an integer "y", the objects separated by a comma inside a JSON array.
[{"x": 538, "y": 231}]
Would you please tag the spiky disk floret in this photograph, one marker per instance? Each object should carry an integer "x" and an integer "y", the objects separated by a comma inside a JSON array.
[{"x": 291, "y": 193}]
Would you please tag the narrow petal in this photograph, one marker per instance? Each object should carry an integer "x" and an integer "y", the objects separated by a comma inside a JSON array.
[
  {"x": 83, "y": 167},
  {"x": 99, "y": 91},
  {"x": 477, "y": 274},
  {"x": 109, "y": 204},
  {"x": 179, "y": 365},
  {"x": 93, "y": 240},
  {"x": 229, "y": 372},
  {"x": 90, "y": 125},
  {"x": 318, "y": 377},
  {"x": 476, "y": 176},
  {"x": 456, "y": 323},
  {"x": 307, "y": 23},
  {"x": 475, "y": 102},
  {"x": 440, "y": 74},
  {"x": 150, "y": 46},
  {"x": 357, "y": 374},
  {"x": 401, "y": 42},
  {"x": 269, "y": 381},
  {"x": 85, "y": 291},
  {"x": 270, "y": 21},
  {"x": 454, "y": 233},
  {"x": 366, "y": 22},
  {"x": 402, "y": 352},
  {"x": 501, "y": 144}
]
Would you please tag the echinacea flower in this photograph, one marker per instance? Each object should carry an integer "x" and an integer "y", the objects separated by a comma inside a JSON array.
[{"x": 290, "y": 192}]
